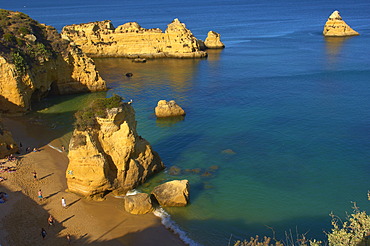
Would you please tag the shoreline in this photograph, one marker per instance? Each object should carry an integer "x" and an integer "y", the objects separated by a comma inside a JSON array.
[{"x": 87, "y": 222}]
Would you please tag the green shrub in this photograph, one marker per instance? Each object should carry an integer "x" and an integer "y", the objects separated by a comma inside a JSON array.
[
  {"x": 353, "y": 232},
  {"x": 19, "y": 62},
  {"x": 24, "y": 30},
  {"x": 86, "y": 118},
  {"x": 9, "y": 38}
]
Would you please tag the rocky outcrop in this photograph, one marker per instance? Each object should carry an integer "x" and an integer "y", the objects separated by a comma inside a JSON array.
[
  {"x": 336, "y": 27},
  {"x": 101, "y": 39},
  {"x": 213, "y": 41},
  {"x": 35, "y": 62},
  {"x": 7, "y": 143},
  {"x": 173, "y": 193},
  {"x": 168, "y": 109},
  {"x": 138, "y": 204},
  {"x": 110, "y": 156}
]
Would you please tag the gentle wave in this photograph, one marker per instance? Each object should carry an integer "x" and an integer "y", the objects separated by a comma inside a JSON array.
[
  {"x": 132, "y": 192},
  {"x": 171, "y": 225}
]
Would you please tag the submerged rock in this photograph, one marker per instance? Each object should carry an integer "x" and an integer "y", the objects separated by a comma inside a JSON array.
[
  {"x": 173, "y": 193},
  {"x": 174, "y": 171},
  {"x": 168, "y": 109},
  {"x": 336, "y": 27},
  {"x": 138, "y": 204},
  {"x": 228, "y": 151}
]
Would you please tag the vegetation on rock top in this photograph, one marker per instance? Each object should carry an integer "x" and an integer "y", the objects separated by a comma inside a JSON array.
[
  {"x": 86, "y": 118},
  {"x": 24, "y": 41}
]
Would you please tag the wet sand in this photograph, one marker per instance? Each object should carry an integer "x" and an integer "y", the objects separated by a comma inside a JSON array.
[{"x": 87, "y": 222}]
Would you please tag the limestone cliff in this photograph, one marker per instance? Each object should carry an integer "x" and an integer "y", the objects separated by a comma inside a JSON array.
[
  {"x": 101, "y": 39},
  {"x": 336, "y": 27},
  {"x": 7, "y": 143},
  {"x": 35, "y": 62},
  {"x": 110, "y": 156}
]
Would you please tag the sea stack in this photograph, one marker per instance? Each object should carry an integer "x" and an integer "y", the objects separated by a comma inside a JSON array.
[
  {"x": 336, "y": 27},
  {"x": 106, "y": 153},
  {"x": 36, "y": 62},
  {"x": 168, "y": 109},
  {"x": 213, "y": 41}
]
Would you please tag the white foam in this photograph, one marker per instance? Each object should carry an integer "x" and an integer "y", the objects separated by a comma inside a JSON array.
[
  {"x": 131, "y": 192},
  {"x": 51, "y": 146},
  {"x": 171, "y": 225}
]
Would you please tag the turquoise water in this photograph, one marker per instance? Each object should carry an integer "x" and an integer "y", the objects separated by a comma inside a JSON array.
[{"x": 278, "y": 123}]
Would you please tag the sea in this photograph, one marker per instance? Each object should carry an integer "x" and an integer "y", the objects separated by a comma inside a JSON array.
[{"x": 277, "y": 128}]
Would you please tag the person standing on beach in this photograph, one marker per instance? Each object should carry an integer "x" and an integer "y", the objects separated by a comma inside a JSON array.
[
  {"x": 34, "y": 175},
  {"x": 43, "y": 233},
  {"x": 39, "y": 195},
  {"x": 50, "y": 220},
  {"x": 64, "y": 204}
]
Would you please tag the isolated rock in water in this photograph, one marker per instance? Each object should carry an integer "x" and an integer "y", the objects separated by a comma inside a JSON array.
[
  {"x": 110, "y": 156},
  {"x": 101, "y": 39},
  {"x": 228, "y": 151},
  {"x": 138, "y": 204},
  {"x": 168, "y": 109},
  {"x": 336, "y": 27},
  {"x": 40, "y": 63},
  {"x": 173, "y": 193},
  {"x": 213, "y": 41},
  {"x": 7, "y": 143}
]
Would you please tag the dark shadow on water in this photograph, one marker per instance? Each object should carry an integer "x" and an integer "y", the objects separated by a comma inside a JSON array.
[{"x": 169, "y": 121}]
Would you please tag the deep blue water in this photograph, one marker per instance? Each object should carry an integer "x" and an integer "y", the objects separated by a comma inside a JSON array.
[{"x": 289, "y": 106}]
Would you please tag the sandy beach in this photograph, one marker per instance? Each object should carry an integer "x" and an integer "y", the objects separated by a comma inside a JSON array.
[{"x": 87, "y": 222}]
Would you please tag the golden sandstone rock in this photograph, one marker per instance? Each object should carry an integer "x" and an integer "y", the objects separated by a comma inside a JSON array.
[
  {"x": 173, "y": 193},
  {"x": 168, "y": 109},
  {"x": 7, "y": 143},
  {"x": 138, "y": 204},
  {"x": 110, "y": 157},
  {"x": 40, "y": 63},
  {"x": 101, "y": 39},
  {"x": 336, "y": 27},
  {"x": 213, "y": 41}
]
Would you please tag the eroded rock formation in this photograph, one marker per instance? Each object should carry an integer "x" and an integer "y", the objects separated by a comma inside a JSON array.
[
  {"x": 173, "y": 193},
  {"x": 7, "y": 143},
  {"x": 110, "y": 156},
  {"x": 138, "y": 204},
  {"x": 168, "y": 109},
  {"x": 213, "y": 41},
  {"x": 35, "y": 62},
  {"x": 336, "y": 27},
  {"x": 101, "y": 39}
]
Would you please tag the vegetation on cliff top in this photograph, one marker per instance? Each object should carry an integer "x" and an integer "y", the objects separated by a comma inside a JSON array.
[
  {"x": 24, "y": 41},
  {"x": 86, "y": 118}
]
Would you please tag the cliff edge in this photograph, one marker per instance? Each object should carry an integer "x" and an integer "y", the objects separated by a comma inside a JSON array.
[
  {"x": 106, "y": 153},
  {"x": 7, "y": 143},
  {"x": 335, "y": 26},
  {"x": 35, "y": 62},
  {"x": 101, "y": 39}
]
